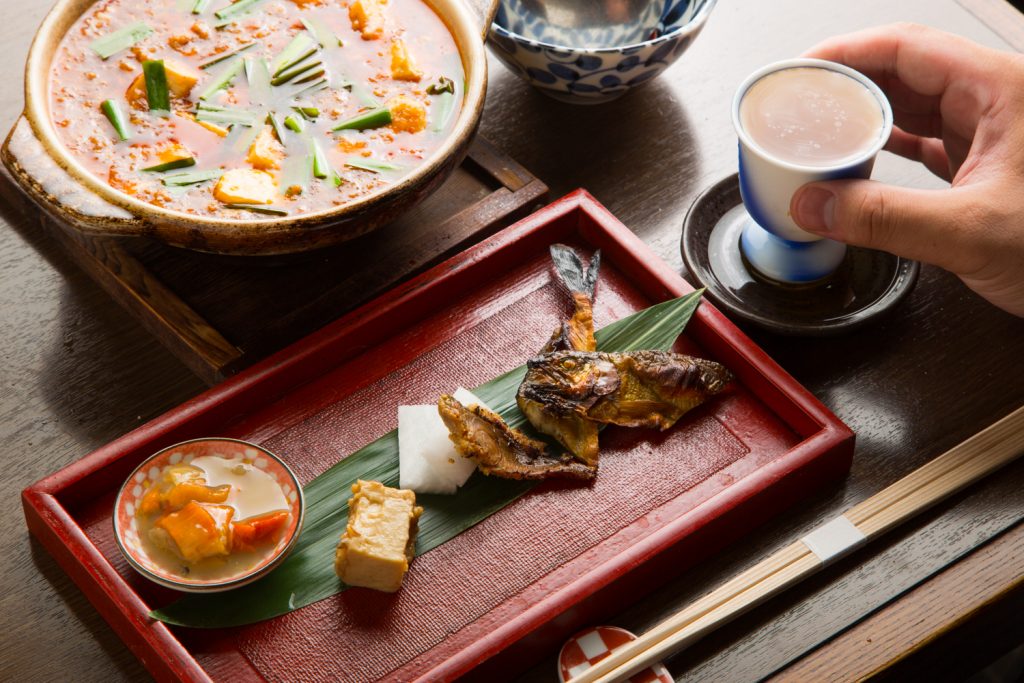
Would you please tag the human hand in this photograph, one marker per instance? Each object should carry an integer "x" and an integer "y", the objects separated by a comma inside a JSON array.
[{"x": 959, "y": 110}]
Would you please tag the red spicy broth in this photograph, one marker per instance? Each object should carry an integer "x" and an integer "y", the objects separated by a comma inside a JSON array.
[{"x": 390, "y": 68}]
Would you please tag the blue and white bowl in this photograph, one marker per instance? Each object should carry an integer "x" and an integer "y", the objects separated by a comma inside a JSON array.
[{"x": 594, "y": 62}]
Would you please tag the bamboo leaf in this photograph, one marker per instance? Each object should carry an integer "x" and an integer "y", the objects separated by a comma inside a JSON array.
[{"x": 307, "y": 576}]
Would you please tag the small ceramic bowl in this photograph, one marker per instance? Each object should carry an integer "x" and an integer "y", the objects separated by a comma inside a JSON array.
[
  {"x": 126, "y": 530},
  {"x": 580, "y": 51}
]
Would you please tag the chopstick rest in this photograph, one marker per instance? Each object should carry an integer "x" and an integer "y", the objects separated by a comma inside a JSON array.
[{"x": 590, "y": 646}]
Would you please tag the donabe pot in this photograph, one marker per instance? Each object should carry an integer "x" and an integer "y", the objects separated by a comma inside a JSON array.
[{"x": 54, "y": 179}]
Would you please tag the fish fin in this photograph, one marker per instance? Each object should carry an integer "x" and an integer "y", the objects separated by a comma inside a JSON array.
[{"x": 569, "y": 268}]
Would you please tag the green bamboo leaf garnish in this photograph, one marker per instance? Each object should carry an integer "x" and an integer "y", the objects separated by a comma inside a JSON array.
[
  {"x": 223, "y": 77},
  {"x": 307, "y": 575},
  {"x": 375, "y": 118},
  {"x": 229, "y": 13},
  {"x": 227, "y": 55},
  {"x": 109, "y": 45},
  {"x": 171, "y": 165},
  {"x": 372, "y": 165},
  {"x": 117, "y": 120},
  {"x": 268, "y": 209},
  {"x": 157, "y": 93},
  {"x": 191, "y": 178}
]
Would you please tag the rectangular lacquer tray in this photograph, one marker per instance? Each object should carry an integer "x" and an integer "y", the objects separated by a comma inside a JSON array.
[{"x": 488, "y": 602}]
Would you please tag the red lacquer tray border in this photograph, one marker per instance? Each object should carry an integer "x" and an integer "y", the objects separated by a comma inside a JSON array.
[{"x": 824, "y": 454}]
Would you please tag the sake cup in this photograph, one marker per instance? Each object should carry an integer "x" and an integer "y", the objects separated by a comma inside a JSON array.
[{"x": 772, "y": 242}]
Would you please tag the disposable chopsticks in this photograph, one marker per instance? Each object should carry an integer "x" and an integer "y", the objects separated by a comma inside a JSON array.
[{"x": 955, "y": 469}]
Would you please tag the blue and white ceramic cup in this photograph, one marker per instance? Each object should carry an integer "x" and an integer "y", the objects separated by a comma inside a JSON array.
[{"x": 773, "y": 243}]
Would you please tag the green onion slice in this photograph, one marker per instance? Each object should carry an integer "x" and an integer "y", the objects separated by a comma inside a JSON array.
[
  {"x": 228, "y": 14},
  {"x": 364, "y": 96},
  {"x": 259, "y": 208},
  {"x": 322, "y": 32},
  {"x": 296, "y": 174},
  {"x": 442, "y": 111},
  {"x": 117, "y": 119},
  {"x": 375, "y": 118},
  {"x": 272, "y": 120},
  {"x": 258, "y": 75},
  {"x": 444, "y": 84},
  {"x": 371, "y": 165},
  {"x": 301, "y": 47},
  {"x": 191, "y": 177},
  {"x": 226, "y": 116},
  {"x": 199, "y": 6},
  {"x": 312, "y": 87},
  {"x": 224, "y": 77},
  {"x": 298, "y": 69},
  {"x": 227, "y": 55},
  {"x": 122, "y": 39},
  {"x": 308, "y": 113},
  {"x": 321, "y": 167},
  {"x": 157, "y": 92},
  {"x": 292, "y": 123},
  {"x": 171, "y": 165}
]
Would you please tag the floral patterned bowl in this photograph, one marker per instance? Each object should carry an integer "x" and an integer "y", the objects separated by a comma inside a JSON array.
[
  {"x": 127, "y": 532},
  {"x": 583, "y": 59}
]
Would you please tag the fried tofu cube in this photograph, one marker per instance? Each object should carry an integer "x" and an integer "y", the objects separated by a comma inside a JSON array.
[
  {"x": 380, "y": 539},
  {"x": 407, "y": 115},
  {"x": 367, "y": 17},
  {"x": 180, "y": 80},
  {"x": 173, "y": 152},
  {"x": 245, "y": 186},
  {"x": 403, "y": 67},
  {"x": 265, "y": 151}
]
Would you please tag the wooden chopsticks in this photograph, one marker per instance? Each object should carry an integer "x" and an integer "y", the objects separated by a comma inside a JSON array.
[{"x": 955, "y": 469}]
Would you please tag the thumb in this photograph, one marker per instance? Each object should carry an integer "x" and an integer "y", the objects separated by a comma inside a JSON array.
[{"x": 916, "y": 224}]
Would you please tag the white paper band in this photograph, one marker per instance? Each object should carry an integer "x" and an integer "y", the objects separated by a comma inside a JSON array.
[{"x": 833, "y": 539}]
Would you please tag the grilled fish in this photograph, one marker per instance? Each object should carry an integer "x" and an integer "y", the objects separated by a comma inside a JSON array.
[
  {"x": 576, "y": 333},
  {"x": 501, "y": 451},
  {"x": 635, "y": 389}
]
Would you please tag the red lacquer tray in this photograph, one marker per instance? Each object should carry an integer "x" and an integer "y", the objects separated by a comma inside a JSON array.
[{"x": 488, "y": 601}]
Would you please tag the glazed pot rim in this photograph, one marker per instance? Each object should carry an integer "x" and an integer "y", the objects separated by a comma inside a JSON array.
[
  {"x": 696, "y": 20},
  {"x": 455, "y": 14}
]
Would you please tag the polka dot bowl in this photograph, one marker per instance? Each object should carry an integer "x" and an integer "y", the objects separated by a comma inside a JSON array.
[
  {"x": 126, "y": 530},
  {"x": 591, "y": 62}
]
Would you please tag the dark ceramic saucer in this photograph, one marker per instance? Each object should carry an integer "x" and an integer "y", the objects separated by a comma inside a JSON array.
[{"x": 866, "y": 285}]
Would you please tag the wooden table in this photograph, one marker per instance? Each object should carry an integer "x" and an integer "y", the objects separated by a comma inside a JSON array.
[{"x": 78, "y": 371}]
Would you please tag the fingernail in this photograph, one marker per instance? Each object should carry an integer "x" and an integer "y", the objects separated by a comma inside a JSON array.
[{"x": 814, "y": 209}]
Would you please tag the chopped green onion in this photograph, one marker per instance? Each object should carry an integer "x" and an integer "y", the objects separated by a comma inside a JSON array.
[
  {"x": 296, "y": 174},
  {"x": 171, "y": 165},
  {"x": 191, "y": 177},
  {"x": 259, "y": 208},
  {"x": 336, "y": 178},
  {"x": 227, "y": 55},
  {"x": 258, "y": 75},
  {"x": 222, "y": 79},
  {"x": 312, "y": 87},
  {"x": 199, "y": 6},
  {"x": 322, "y": 32},
  {"x": 308, "y": 113},
  {"x": 301, "y": 47},
  {"x": 375, "y": 118},
  {"x": 244, "y": 140},
  {"x": 228, "y": 14},
  {"x": 443, "y": 84},
  {"x": 442, "y": 111},
  {"x": 371, "y": 165},
  {"x": 215, "y": 114},
  {"x": 272, "y": 120},
  {"x": 297, "y": 70},
  {"x": 157, "y": 92},
  {"x": 321, "y": 167},
  {"x": 292, "y": 123},
  {"x": 111, "y": 44},
  {"x": 364, "y": 96},
  {"x": 117, "y": 119}
]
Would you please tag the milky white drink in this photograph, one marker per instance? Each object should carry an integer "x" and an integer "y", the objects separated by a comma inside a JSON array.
[{"x": 811, "y": 116}]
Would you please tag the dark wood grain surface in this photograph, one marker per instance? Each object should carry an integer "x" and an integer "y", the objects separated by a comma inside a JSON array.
[{"x": 78, "y": 371}]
